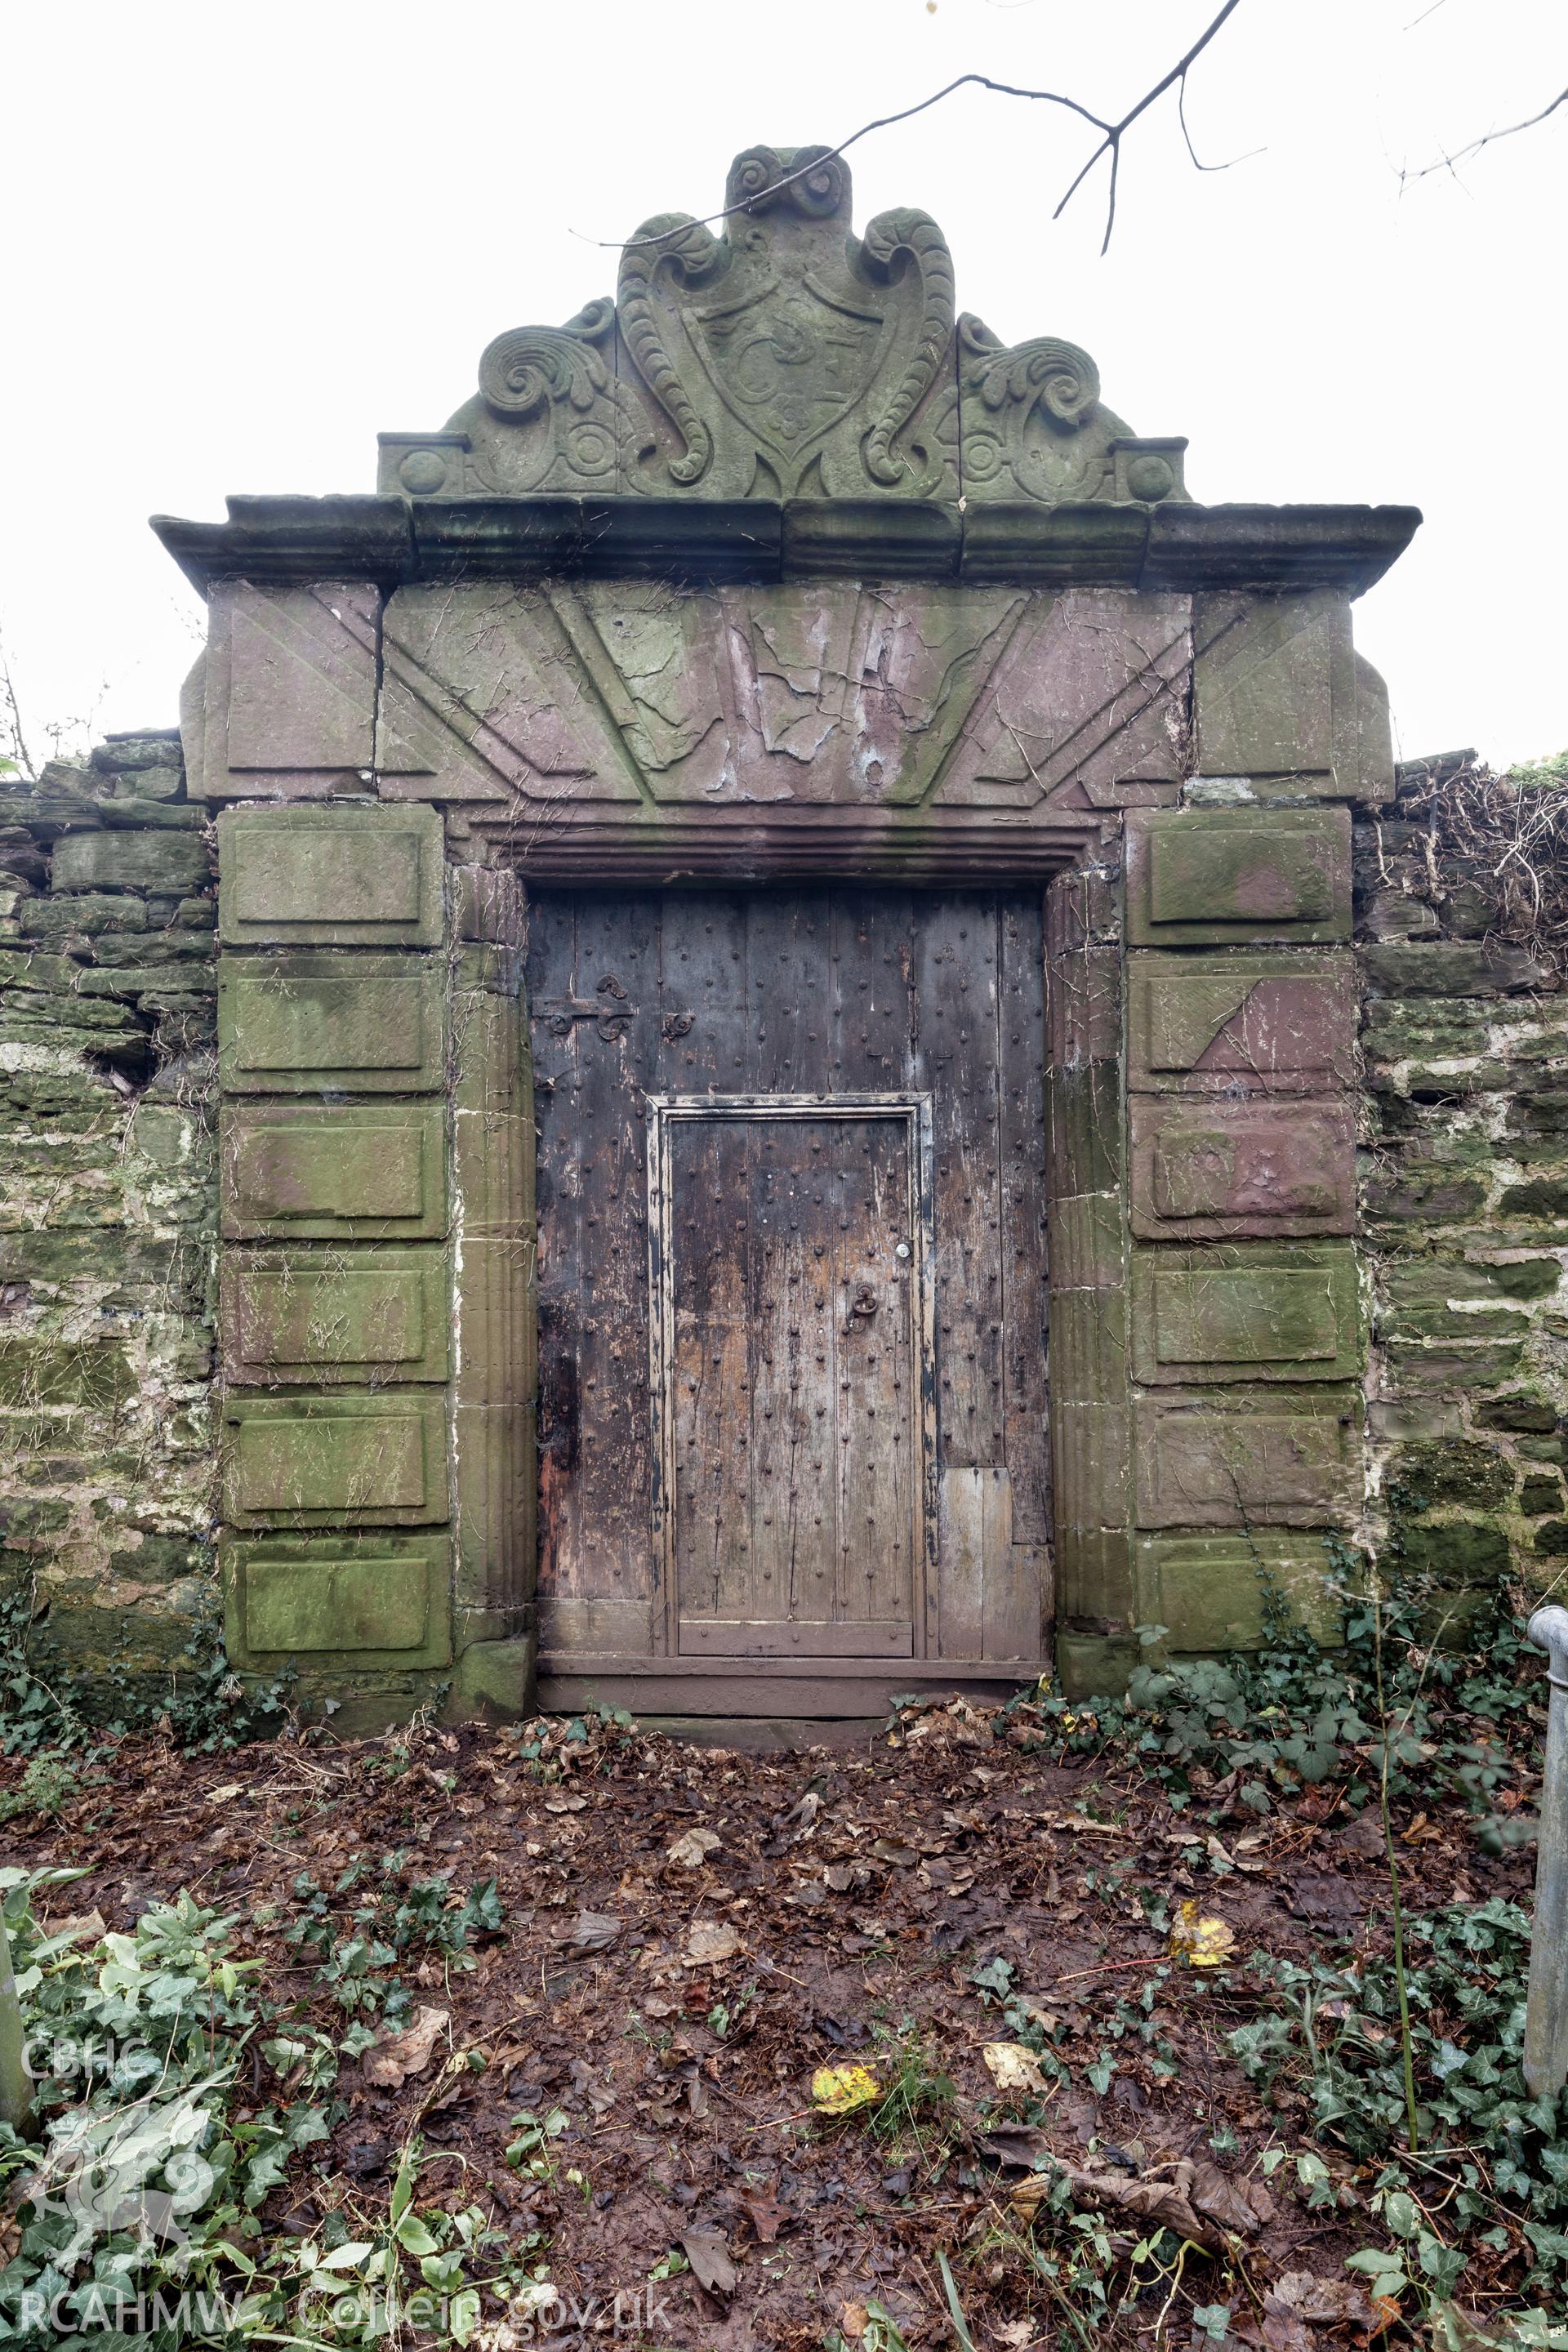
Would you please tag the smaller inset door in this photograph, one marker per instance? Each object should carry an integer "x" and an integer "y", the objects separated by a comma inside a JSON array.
[{"x": 791, "y": 1348}]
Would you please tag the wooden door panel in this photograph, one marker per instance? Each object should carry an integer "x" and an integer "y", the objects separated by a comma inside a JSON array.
[
  {"x": 831, "y": 997},
  {"x": 791, "y": 1384}
]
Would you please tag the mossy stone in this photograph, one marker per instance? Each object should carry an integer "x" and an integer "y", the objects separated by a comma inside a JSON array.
[
  {"x": 1446, "y": 1471},
  {"x": 1464, "y": 1552},
  {"x": 1524, "y": 1414},
  {"x": 1538, "y": 1496},
  {"x": 1528, "y": 1278}
]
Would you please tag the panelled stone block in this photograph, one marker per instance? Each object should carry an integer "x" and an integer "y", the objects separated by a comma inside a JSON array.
[
  {"x": 1216, "y": 877},
  {"x": 1243, "y": 1311},
  {"x": 362, "y": 1600},
  {"x": 1286, "y": 704},
  {"x": 1247, "y": 1456},
  {"x": 1211, "y": 1592},
  {"x": 372, "y": 1024},
  {"x": 366, "y": 1461},
  {"x": 320, "y": 1314},
  {"x": 1283, "y": 700},
  {"x": 332, "y": 877},
  {"x": 343, "y": 1171},
  {"x": 1216, "y": 1169},
  {"x": 284, "y": 700},
  {"x": 1241, "y": 1023}
]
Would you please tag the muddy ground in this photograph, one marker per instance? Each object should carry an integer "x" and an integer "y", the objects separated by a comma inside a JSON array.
[{"x": 673, "y": 2008}]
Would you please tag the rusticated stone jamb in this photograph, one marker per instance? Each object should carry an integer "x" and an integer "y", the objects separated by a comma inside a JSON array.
[
  {"x": 1089, "y": 1424},
  {"x": 494, "y": 1253}
]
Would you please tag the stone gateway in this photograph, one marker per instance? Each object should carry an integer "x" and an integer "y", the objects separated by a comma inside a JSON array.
[{"x": 786, "y": 1024}]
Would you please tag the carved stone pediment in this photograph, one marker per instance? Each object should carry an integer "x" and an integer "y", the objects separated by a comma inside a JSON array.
[{"x": 784, "y": 357}]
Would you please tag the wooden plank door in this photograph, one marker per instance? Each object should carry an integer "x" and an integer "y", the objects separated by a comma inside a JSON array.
[
  {"x": 789, "y": 1267},
  {"x": 801, "y": 1028}
]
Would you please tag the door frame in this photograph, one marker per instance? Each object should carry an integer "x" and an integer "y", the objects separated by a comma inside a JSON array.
[{"x": 665, "y": 1113}]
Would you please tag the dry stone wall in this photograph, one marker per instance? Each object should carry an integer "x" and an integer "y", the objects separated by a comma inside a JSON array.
[
  {"x": 1462, "y": 922},
  {"x": 108, "y": 979}
]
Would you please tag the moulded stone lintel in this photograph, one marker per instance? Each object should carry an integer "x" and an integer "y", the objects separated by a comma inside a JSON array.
[{"x": 1173, "y": 546}]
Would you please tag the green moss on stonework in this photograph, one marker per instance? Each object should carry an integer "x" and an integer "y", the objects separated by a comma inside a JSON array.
[
  {"x": 1538, "y": 1496},
  {"x": 1462, "y": 1552},
  {"x": 1552, "y": 1538},
  {"x": 1541, "y": 1197},
  {"x": 1441, "y": 1471},
  {"x": 1528, "y": 1277}
]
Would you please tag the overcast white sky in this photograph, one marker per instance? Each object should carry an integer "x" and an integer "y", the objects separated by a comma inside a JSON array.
[{"x": 240, "y": 239}]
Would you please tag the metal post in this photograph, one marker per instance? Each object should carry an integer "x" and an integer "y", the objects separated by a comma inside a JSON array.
[
  {"x": 15, "y": 2089},
  {"x": 1546, "y": 2017}
]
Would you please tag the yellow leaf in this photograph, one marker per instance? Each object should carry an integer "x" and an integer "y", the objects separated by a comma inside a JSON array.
[
  {"x": 1203, "y": 1942},
  {"x": 1012, "y": 2067},
  {"x": 839, "y": 2090}
]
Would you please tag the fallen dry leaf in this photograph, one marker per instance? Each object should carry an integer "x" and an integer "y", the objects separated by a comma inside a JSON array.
[
  {"x": 695, "y": 1847},
  {"x": 1168, "y": 2202},
  {"x": 390, "y": 2063},
  {"x": 1234, "y": 2203},
  {"x": 1012, "y": 2067},
  {"x": 708, "y": 2255},
  {"x": 594, "y": 1931},
  {"x": 765, "y": 2214},
  {"x": 710, "y": 1941},
  {"x": 1329, "y": 2302},
  {"x": 839, "y": 2090}
]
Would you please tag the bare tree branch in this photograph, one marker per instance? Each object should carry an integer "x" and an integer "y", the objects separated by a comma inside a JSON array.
[
  {"x": 1112, "y": 135},
  {"x": 1473, "y": 147}
]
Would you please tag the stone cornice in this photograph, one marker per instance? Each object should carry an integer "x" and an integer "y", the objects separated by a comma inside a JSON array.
[{"x": 1174, "y": 547}]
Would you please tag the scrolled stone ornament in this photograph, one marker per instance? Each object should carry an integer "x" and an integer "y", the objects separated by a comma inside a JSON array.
[
  {"x": 686, "y": 249},
  {"x": 528, "y": 367},
  {"x": 890, "y": 236},
  {"x": 1046, "y": 372},
  {"x": 812, "y": 179}
]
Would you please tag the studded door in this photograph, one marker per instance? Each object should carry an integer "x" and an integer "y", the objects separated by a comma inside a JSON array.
[
  {"x": 789, "y": 1266},
  {"x": 763, "y": 1431}
]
